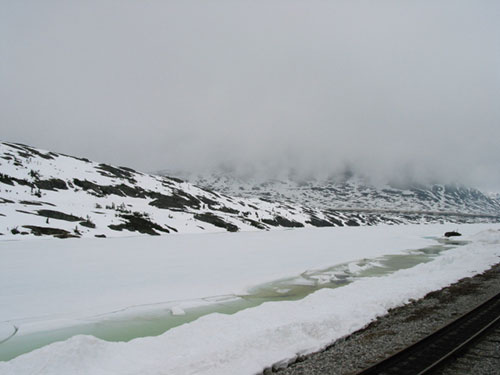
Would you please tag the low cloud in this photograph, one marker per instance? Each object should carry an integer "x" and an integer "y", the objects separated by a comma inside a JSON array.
[{"x": 394, "y": 90}]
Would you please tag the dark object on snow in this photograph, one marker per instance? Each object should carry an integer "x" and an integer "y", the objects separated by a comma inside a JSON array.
[
  {"x": 210, "y": 218},
  {"x": 58, "y": 215},
  {"x": 46, "y": 231},
  {"x": 138, "y": 222},
  {"x": 452, "y": 234},
  {"x": 280, "y": 221}
]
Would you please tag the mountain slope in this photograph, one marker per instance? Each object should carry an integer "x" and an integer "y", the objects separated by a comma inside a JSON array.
[
  {"x": 354, "y": 194},
  {"x": 47, "y": 193}
]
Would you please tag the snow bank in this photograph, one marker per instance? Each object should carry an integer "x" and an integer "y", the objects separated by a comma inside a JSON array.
[{"x": 252, "y": 339}]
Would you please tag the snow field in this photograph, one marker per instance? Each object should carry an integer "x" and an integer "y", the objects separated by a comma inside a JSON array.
[
  {"x": 50, "y": 280},
  {"x": 252, "y": 339}
]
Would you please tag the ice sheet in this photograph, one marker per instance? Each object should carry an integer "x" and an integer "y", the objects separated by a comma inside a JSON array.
[{"x": 109, "y": 276}]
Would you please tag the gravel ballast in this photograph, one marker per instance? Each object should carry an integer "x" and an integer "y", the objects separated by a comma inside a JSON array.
[{"x": 399, "y": 328}]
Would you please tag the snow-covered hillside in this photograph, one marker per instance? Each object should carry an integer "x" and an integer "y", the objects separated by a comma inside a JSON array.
[
  {"x": 46, "y": 193},
  {"x": 354, "y": 193}
]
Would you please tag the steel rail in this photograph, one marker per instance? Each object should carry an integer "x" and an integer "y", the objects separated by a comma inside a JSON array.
[{"x": 433, "y": 350}]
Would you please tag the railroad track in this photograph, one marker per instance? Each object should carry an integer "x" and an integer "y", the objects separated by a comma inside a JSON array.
[{"x": 431, "y": 352}]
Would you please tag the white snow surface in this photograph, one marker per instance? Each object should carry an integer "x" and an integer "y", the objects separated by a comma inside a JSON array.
[{"x": 47, "y": 280}]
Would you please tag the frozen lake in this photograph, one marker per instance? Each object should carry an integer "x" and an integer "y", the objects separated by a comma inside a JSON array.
[
  {"x": 123, "y": 288},
  {"x": 155, "y": 319}
]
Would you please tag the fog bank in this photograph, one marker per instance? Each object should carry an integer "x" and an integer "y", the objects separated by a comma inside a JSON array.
[{"x": 389, "y": 89}]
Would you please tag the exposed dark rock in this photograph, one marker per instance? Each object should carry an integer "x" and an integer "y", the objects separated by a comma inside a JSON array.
[
  {"x": 110, "y": 171},
  {"x": 4, "y": 200},
  {"x": 138, "y": 223},
  {"x": 31, "y": 203},
  {"x": 76, "y": 158},
  {"x": 56, "y": 232},
  {"x": 51, "y": 184},
  {"x": 255, "y": 223},
  {"x": 352, "y": 223},
  {"x": 87, "y": 224},
  {"x": 178, "y": 200},
  {"x": 9, "y": 180},
  {"x": 58, "y": 215},
  {"x": 280, "y": 221},
  {"x": 225, "y": 209},
  {"x": 32, "y": 151},
  {"x": 129, "y": 191},
  {"x": 317, "y": 222},
  {"x": 36, "y": 203},
  {"x": 266, "y": 200},
  {"x": 121, "y": 190},
  {"x": 210, "y": 218},
  {"x": 26, "y": 212},
  {"x": 274, "y": 223},
  {"x": 208, "y": 191},
  {"x": 4, "y": 179},
  {"x": 129, "y": 170},
  {"x": 335, "y": 221},
  {"x": 87, "y": 185},
  {"x": 175, "y": 179},
  {"x": 208, "y": 201},
  {"x": 100, "y": 235},
  {"x": 171, "y": 228},
  {"x": 24, "y": 154},
  {"x": 452, "y": 234}
]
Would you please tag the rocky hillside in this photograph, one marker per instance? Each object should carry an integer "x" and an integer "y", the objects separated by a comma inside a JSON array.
[
  {"x": 47, "y": 193},
  {"x": 354, "y": 194}
]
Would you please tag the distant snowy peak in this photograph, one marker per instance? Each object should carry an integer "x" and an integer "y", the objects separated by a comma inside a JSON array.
[
  {"x": 494, "y": 196},
  {"x": 356, "y": 194},
  {"x": 47, "y": 193}
]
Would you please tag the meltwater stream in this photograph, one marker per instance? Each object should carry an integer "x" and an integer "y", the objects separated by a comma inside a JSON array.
[{"x": 155, "y": 319}]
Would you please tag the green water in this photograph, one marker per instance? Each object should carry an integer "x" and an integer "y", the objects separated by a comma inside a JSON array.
[{"x": 158, "y": 319}]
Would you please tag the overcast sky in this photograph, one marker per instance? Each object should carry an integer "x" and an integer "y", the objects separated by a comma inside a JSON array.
[{"x": 393, "y": 89}]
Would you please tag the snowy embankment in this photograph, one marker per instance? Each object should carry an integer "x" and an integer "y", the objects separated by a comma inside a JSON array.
[{"x": 43, "y": 281}]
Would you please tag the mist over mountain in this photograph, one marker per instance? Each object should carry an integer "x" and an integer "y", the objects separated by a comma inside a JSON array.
[{"x": 395, "y": 91}]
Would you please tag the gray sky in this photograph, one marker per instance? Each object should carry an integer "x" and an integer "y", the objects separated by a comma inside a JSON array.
[{"x": 395, "y": 89}]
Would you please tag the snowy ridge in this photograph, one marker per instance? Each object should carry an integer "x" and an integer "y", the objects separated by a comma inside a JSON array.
[
  {"x": 355, "y": 194},
  {"x": 47, "y": 193}
]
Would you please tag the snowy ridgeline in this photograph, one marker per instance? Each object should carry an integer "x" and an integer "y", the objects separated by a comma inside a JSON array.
[
  {"x": 46, "y": 193},
  {"x": 245, "y": 342},
  {"x": 356, "y": 193}
]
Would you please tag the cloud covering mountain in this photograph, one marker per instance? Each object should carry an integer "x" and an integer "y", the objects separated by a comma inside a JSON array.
[{"x": 393, "y": 90}]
